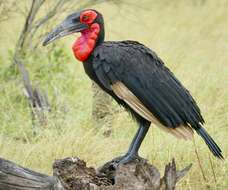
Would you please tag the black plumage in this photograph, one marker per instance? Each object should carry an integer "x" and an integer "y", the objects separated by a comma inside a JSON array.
[
  {"x": 137, "y": 79},
  {"x": 145, "y": 74}
]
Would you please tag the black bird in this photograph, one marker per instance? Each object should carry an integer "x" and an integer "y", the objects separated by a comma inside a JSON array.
[{"x": 136, "y": 78}]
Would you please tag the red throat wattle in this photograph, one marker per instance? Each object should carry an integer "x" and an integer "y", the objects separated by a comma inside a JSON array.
[{"x": 85, "y": 44}]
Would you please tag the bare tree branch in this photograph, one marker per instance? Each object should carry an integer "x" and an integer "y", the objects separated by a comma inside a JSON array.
[
  {"x": 36, "y": 4},
  {"x": 48, "y": 16},
  {"x": 37, "y": 101}
]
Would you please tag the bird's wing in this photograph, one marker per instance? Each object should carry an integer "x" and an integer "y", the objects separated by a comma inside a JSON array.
[
  {"x": 125, "y": 94},
  {"x": 136, "y": 75}
]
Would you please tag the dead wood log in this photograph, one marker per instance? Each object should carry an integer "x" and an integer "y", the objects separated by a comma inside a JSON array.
[{"x": 73, "y": 174}]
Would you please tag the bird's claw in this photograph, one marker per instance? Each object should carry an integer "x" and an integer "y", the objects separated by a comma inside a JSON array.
[{"x": 123, "y": 160}]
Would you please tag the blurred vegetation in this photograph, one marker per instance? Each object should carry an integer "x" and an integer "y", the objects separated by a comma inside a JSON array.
[{"x": 190, "y": 36}]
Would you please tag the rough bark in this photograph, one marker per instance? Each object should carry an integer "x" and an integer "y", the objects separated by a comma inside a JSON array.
[{"x": 73, "y": 174}]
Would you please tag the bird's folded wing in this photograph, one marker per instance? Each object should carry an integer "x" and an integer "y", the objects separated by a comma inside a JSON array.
[
  {"x": 184, "y": 132},
  {"x": 139, "y": 77}
]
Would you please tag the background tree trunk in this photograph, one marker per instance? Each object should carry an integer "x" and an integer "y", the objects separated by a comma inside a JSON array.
[{"x": 102, "y": 110}]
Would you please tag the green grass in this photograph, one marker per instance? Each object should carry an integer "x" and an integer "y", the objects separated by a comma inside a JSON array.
[{"x": 191, "y": 39}]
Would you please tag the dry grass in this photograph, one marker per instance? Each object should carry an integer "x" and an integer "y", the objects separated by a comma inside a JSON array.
[{"x": 189, "y": 36}]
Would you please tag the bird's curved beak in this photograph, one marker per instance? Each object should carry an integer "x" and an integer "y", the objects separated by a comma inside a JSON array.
[{"x": 69, "y": 26}]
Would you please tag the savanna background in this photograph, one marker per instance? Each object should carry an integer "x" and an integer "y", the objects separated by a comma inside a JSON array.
[{"x": 191, "y": 36}]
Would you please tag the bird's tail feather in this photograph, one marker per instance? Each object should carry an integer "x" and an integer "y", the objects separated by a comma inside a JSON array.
[{"x": 214, "y": 148}]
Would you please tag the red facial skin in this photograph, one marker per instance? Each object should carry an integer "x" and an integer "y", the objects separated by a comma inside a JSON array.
[{"x": 85, "y": 44}]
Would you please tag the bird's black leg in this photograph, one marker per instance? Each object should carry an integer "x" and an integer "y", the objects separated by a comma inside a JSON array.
[{"x": 135, "y": 145}]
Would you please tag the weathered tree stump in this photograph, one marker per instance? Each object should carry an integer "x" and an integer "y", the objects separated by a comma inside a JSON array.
[{"x": 73, "y": 174}]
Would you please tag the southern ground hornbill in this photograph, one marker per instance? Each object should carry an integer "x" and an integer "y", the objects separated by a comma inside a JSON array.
[{"x": 136, "y": 78}]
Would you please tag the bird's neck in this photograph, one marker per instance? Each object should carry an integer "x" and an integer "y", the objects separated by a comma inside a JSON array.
[{"x": 86, "y": 43}]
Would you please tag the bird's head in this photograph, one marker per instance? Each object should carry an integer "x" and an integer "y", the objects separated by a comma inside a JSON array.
[{"x": 81, "y": 21}]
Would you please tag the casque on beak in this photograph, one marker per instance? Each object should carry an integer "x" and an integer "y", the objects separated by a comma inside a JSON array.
[{"x": 70, "y": 25}]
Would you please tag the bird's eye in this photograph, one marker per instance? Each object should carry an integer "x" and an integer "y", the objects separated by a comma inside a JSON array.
[
  {"x": 88, "y": 17},
  {"x": 85, "y": 18}
]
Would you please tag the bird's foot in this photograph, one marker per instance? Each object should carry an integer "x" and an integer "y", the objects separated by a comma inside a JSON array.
[
  {"x": 128, "y": 158},
  {"x": 124, "y": 160}
]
